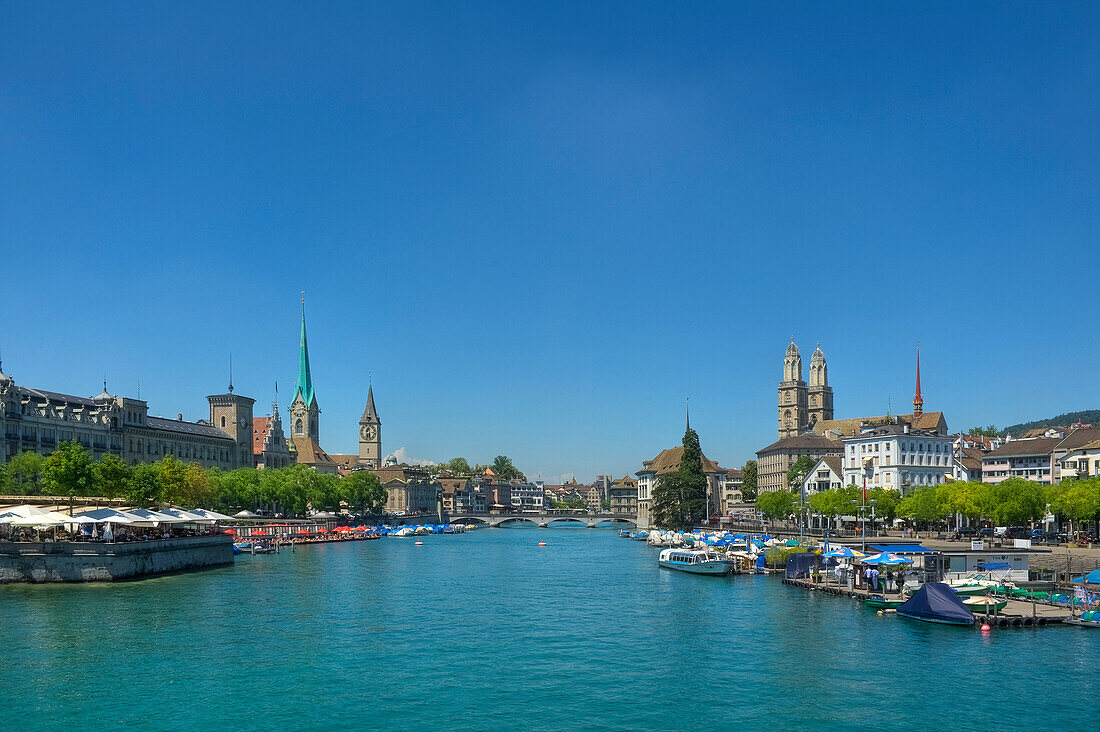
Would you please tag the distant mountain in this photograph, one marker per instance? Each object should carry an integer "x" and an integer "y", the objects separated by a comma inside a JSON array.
[{"x": 1089, "y": 416}]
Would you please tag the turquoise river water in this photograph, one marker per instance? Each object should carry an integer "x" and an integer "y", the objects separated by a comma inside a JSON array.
[{"x": 489, "y": 631}]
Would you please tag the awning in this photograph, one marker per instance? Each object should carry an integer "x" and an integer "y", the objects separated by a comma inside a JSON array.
[{"x": 902, "y": 548}]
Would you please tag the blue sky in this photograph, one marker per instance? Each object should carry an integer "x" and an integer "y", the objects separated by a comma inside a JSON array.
[{"x": 541, "y": 226}]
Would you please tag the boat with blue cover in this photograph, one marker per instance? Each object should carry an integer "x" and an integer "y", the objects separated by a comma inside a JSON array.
[{"x": 936, "y": 602}]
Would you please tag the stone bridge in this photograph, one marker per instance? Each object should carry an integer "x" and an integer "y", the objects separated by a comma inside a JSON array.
[{"x": 543, "y": 520}]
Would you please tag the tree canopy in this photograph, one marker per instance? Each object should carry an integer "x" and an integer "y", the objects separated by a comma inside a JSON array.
[
  {"x": 71, "y": 471},
  {"x": 680, "y": 497},
  {"x": 776, "y": 505},
  {"x": 748, "y": 481}
]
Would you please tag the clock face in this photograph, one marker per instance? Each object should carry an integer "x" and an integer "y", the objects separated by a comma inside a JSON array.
[{"x": 368, "y": 432}]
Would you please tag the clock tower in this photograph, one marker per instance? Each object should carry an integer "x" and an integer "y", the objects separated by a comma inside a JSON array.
[
  {"x": 370, "y": 434},
  {"x": 232, "y": 414}
]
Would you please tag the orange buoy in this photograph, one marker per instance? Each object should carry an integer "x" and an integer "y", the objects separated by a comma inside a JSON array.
[
  {"x": 542, "y": 543},
  {"x": 985, "y": 628},
  {"x": 418, "y": 543}
]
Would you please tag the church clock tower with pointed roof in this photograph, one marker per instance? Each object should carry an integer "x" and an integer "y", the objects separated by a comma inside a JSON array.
[{"x": 370, "y": 434}]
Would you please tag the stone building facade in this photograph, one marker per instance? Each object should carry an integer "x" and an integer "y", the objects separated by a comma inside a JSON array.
[
  {"x": 773, "y": 461},
  {"x": 801, "y": 406},
  {"x": 668, "y": 461},
  {"x": 37, "y": 420}
]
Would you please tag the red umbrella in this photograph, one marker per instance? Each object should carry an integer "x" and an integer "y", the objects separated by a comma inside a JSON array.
[
  {"x": 258, "y": 533},
  {"x": 322, "y": 529},
  {"x": 230, "y": 531},
  {"x": 303, "y": 531}
]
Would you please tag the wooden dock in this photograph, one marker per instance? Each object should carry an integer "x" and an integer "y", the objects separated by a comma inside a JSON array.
[{"x": 1016, "y": 614}]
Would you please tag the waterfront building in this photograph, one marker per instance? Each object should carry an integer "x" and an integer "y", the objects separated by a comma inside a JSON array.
[
  {"x": 731, "y": 490},
  {"x": 603, "y": 483},
  {"x": 38, "y": 420},
  {"x": 827, "y": 474},
  {"x": 1051, "y": 458},
  {"x": 269, "y": 444},
  {"x": 1081, "y": 462},
  {"x": 896, "y": 457},
  {"x": 370, "y": 434},
  {"x": 458, "y": 497},
  {"x": 773, "y": 461},
  {"x": 525, "y": 496},
  {"x": 624, "y": 496},
  {"x": 668, "y": 461},
  {"x": 409, "y": 490},
  {"x": 968, "y": 464}
]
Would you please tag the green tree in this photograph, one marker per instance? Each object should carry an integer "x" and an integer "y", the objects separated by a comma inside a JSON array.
[
  {"x": 69, "y": 471},
  {"x": 1018, "y": 501},
  {"x": 172, "y": 476},
  {"x": 112, "y": 476},
  {"x": 502, "y": 466},
  {"x": 797, "y": 473},
  {"x": 776, "y": 505},
  {"x": 923, "y": 505},
  {"x": 886, "y": 502},
  {"x": 459, "y": 466},
  {"x": 574, "y": 502},
  {"x": 365, "y": 492},
  {"x": 748, "y": 481},
  {"x": 144, "y": 486},
  {"x": 6, "y": 482},
  {"x": 26, "y": 470},
  {"x": 680, "y": 497},
  {"x": 990, "y": 431}
]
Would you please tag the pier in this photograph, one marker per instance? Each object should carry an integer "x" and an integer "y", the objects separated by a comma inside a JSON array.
[{"x": 1016, "y": 614}]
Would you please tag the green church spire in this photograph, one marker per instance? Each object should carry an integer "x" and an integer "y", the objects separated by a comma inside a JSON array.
[{"x": 305, "y": 381}]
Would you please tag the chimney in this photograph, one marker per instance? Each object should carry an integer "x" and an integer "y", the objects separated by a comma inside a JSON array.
[{"x": 905, "y": 429}]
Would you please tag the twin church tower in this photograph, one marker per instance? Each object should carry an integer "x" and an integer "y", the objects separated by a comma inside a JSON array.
[
  {"x": 802, "y": 406},
  {"x": 305, "y": 422}
]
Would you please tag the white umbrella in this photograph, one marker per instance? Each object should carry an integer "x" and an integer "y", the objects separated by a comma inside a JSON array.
[
  {"x": 40, "y": 520},
  {"x": 187, "y": 516},
  {"x": 157, "y": 517}
]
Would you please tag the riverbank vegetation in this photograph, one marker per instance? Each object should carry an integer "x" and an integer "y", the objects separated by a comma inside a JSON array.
[{"x": 72, "y": 471}]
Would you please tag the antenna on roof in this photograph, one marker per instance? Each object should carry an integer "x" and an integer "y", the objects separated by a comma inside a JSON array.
[
  {"x": 104, "y": 381},
  {"x": 230, "y": 372},
  {"x": 139, "y": 389}
]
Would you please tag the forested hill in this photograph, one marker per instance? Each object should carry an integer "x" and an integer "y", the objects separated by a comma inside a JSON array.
[{"x": 1089, "y": 416}]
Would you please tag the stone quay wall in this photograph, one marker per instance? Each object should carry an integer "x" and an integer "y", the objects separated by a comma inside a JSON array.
[{"x": 67, "y": 561}]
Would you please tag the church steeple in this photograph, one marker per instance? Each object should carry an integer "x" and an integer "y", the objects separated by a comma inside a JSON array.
[
  {"x": 370, "y": 434},
  {"x": 370, "y": 414},
  {"x": 304, "y": 386}
]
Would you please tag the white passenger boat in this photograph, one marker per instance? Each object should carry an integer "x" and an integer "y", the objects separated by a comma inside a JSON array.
[{"x": 696, "y": 561}]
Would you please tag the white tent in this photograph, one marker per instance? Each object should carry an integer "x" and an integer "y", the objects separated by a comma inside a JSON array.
[
  {"x": 109, "y": 515},
  {"x": 245, "y": 514},
  {"x": 156, "y": 517},
  {"x": 191, "y": 517},
  {"x": 27, "y": 515},
  {"x": 211, "y": 515}
]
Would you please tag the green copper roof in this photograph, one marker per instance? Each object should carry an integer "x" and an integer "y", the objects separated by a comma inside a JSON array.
[{"x": 305, "y": 381}]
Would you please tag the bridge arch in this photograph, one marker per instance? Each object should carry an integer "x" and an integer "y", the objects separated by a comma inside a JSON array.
[
  {"x": 469, "y": 520},
  {"x": 515, "y": 521},
  {"x": 616, "y": 521},
  {"x": 562, "y": 521}
]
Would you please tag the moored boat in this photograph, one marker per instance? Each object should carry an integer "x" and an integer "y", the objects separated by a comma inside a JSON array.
[
  {"x": 936, "y": 602},
  {"x": 695, "y": 561},
  {"x": 971, "y": 590},
  {"x": 882, "y": 603},
  {"x": 986, "y": 604}
]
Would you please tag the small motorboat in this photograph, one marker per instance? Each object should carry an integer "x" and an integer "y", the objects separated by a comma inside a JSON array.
[
  {"x": 971, "y": 590},
  {"x": 986, "y": 604},
  {"x": 695, "y": 561},
  {"x": 1090, "y": 619},
  {"x": 936, "y": 602},
  {"x": 881, "y": 603}
]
